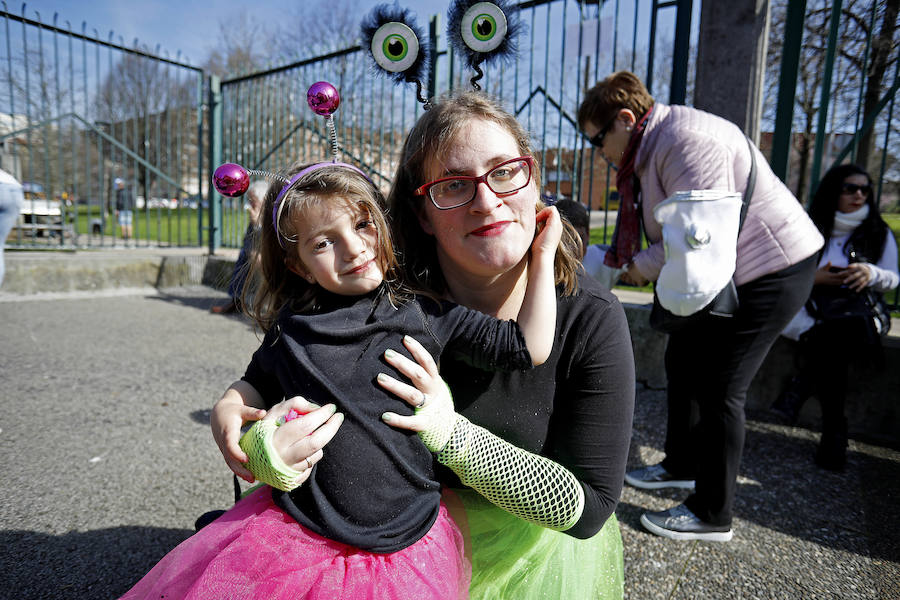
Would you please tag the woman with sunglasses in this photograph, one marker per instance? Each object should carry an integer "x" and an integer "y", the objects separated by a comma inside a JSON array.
[
  {"x": 660, "y": 150},
  {"x": 845, "y": 317}
]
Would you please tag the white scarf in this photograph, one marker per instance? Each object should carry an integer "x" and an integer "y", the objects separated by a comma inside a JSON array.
[{"x": 845, "y": 223}]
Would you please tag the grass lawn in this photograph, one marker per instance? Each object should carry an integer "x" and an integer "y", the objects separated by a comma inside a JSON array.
[
  {"x": 893, "y": 221},
  {"x": 178, "y": 227}
]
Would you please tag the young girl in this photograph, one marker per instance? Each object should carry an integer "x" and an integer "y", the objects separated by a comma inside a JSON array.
[{"x": 371, "y": 523}]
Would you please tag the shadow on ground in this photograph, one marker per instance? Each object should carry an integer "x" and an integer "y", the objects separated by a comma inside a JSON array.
[
  {"x": 201, "y": 302},
  {"x": 781, "y": 489},
  {"x": 97, "y": 564}
]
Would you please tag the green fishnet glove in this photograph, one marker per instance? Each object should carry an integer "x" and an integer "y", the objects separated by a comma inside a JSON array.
[
  {"x": 264, "y": 463},
  {"x": 442, "y": 420},
  {"x": 529, "y": 486}
]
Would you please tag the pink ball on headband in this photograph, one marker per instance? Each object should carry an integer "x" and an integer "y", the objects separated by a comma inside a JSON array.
[
  {"x": 323, "y": 98},
  {"x": 231, "y": 180}
]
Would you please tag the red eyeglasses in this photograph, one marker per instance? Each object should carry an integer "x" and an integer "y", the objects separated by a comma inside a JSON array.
[{"x": 506, "y": 178}]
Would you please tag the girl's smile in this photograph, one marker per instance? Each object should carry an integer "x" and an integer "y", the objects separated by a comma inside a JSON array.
[{"x": 361, "y": 269}]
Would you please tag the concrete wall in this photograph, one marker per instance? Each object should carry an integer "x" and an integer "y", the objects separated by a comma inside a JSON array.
[{"x": 873, "y": 400}]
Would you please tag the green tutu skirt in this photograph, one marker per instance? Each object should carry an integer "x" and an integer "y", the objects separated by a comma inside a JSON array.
[{"x": 516, "y": 560}]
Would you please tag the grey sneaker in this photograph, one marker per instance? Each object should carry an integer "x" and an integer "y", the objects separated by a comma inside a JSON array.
[
  {"x": 679, "y": 523},
  {"x": 656, "y": 477}
]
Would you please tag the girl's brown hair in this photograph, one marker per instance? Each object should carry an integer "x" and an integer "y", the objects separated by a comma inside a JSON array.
[
  {"x": 430, "y": 137},
  {"x": 272, "y": 286},
  {"x": 622, "y": 89}
]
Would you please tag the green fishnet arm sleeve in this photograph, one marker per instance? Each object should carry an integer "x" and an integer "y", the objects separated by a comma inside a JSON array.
[
  {"x": 529, "y": 486},
  {"x": 264, "y": 462}
]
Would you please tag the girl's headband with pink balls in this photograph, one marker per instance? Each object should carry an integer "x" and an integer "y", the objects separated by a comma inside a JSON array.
[{"x": 232, "y": 180}]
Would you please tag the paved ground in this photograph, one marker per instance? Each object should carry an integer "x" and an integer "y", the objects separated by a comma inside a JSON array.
[{"x": 104, "y": 423}]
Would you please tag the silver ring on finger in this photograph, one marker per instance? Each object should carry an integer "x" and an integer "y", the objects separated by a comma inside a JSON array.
[
  {"x": 422, "y": 401},
  {"x": 308, "y": 463}
]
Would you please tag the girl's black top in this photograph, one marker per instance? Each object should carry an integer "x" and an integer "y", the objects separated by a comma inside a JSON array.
[{"x": 375, "y": 488}]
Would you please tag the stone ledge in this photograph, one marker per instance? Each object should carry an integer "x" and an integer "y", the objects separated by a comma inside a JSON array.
[
  {"x": 30, "y": 273},
  {"x": 872, "y": 409}
]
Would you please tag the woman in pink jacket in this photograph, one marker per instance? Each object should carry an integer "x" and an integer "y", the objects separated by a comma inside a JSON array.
[{"x": 659, "y": 150}]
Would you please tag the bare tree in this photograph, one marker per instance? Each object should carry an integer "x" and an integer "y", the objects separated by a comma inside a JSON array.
[
  {"x": 883, "y": 48},
  {"x": 146, "y": 110},
  {"x": 36, "y": 100},
  {"x": 809, "y": 77},
  {"x": 245, "y": 45},
  {"x": 317, "y": 28},
  {"x": 851, "y": 75}
]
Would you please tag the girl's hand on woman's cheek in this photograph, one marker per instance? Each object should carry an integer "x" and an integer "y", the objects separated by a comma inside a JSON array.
[{"x": 546, "y": 241}]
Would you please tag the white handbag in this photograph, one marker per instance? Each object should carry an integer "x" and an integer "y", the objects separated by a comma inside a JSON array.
[{"x": 700, "y": 229}]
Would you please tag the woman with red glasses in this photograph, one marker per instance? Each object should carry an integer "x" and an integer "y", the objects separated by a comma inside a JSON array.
[
  {"x": 845, "y": 316},
  {"x": 534, "y": 459}
]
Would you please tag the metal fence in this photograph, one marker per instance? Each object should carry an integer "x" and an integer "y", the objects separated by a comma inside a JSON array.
[
  {"x": 565, "y": 45},
  {"x": 78, "y": 111}
]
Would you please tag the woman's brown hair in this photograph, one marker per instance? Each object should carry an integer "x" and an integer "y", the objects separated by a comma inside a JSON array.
[
  {"x": 622, "y": 89},
  {"x": 272, "y": 285},
  {"x": 430, "y": 137}
]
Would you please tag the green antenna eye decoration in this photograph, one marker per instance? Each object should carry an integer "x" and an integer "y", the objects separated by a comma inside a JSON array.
[
  {"x": 483, "y": 33},
  {"x": 483, "y": 27},
  {"x": 398, "y": 46},
  {"x": 395, "y": 47}
]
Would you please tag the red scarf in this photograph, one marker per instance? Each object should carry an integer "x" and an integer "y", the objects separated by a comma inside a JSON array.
[{"x": 626, "y": 239}]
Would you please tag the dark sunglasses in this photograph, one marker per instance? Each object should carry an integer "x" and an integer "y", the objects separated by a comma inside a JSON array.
[
  {"x": 852, "y": 188},
  {"x": 597, "y": 140}
]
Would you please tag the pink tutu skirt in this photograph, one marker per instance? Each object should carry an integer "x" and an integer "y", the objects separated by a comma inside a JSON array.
[{"x": 256, "y": 551}]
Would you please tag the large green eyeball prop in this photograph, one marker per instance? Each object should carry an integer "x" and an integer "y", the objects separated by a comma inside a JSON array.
[
  {"x": 395, "y": 47},
  {"x": 483, "y": 27}
]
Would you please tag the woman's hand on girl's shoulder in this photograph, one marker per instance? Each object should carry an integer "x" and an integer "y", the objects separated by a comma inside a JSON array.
[{"x": 428, "y": 395}]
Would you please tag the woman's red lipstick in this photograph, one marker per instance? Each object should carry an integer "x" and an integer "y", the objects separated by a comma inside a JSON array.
[{"x": 489, "y": 230}]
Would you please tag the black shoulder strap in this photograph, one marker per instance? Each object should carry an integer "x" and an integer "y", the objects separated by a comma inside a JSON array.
[{"x": 751, "y": 183}]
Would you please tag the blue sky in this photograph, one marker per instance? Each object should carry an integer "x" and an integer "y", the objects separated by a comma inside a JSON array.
[{"x": 191, "y": 26}]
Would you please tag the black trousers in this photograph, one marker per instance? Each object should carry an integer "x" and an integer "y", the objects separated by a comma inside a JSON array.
[
  {"x": 709, "y": 368},
  {"x": 824, "y": 354}
]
